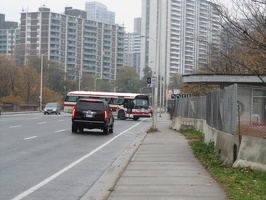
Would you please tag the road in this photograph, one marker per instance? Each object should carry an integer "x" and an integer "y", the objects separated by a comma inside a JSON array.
[{"x": 41, "y": 159}]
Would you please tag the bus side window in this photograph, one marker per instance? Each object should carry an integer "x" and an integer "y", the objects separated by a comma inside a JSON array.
[
  {"x": 118, "y": 101},
  {"x": 130, "y": 104},
  {"x": 126, "y": 103}
]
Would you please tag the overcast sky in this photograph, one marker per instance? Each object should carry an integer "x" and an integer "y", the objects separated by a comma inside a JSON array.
[{"x": 125, "y": 10}]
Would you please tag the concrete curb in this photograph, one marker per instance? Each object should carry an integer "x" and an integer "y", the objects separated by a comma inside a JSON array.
[
  {"x": 109, "y": 188},
  {"x": 103, "y": 187}
]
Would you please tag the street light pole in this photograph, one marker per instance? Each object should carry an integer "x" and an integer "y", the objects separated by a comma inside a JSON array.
[
  {"x": 79, "y": 79},
  {"x": 155, "y": 88},
  {"x": 95, "y": 83},
  {"x": 41, "y": 80},
  {"x": 161, "y": 79},
  {"x": 157, "y": 65},
  {"x": 41, "y": 83}
]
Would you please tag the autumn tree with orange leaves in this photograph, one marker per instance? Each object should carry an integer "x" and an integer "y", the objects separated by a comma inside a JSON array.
[{"x": 20, "y": 84}]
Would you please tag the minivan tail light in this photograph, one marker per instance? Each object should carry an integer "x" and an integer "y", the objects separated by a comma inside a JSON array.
[
  {"x": 73, "y": 112},
  {"x": 105, "y": 114}
]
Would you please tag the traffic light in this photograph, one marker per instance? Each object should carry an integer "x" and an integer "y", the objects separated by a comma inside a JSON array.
[{"x": 148, "y": 80}]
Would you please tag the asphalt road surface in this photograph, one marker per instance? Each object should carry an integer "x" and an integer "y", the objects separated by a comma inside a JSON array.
[{"x": 41, "y": 159}]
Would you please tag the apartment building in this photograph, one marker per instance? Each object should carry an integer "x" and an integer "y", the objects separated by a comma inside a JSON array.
[
  {"x": 9, "y": 36},
  {"x": 78, "y": 44},
  {"x": 176, "y": 35},
  {"x": 132, "y": 51}
]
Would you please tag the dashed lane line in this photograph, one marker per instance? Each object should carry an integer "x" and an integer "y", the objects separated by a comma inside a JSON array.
[
  {"x": 15, "y": 126},
  {"x": 47, "y": 180},
  {"x": 28, "y": 138},
  {"x": 60, "y": 131},
  {"x": 42, "y": 122}
]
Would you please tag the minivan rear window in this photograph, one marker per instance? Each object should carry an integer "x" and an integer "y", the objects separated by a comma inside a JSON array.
[{"x": 89, "y": 106}]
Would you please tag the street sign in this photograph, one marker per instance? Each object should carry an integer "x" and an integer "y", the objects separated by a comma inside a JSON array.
[{"x": 177, "y": 96}]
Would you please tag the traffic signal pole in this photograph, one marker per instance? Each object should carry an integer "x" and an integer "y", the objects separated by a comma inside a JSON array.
[
  {"x": 155, "y": 107},
  {"x": 153, "y": 83}
]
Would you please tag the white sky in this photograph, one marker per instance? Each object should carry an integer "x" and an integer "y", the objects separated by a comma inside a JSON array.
[{"x": 125, "y": 10}]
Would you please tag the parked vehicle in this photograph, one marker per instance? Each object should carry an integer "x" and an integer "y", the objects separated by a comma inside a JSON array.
[
  {"x": 160, "y": 110},
  {"x": 151, "y": 109},
  {"x": 92, "y": 114},
  {"x": 52, "y": 108}
]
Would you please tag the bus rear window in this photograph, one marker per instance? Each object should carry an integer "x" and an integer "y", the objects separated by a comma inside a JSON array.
[{"x": 89, "y": 106}]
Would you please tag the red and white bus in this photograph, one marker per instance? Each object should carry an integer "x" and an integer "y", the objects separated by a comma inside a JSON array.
[{"x": 124, "y": 105}]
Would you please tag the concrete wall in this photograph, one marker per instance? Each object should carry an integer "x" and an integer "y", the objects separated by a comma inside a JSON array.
[
  {"x": 225, "y": 144},
  {"x": 250, "y": 153},
  {"x": 16, "y": 107}
]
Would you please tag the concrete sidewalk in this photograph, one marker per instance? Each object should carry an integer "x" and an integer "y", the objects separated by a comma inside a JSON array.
[{"x": 164, "y": 167}]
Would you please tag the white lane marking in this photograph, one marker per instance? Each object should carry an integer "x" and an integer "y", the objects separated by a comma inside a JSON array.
[
  {"x": 42, "y": 122},
  {"x": 28, "y": 138},
  {"x": 15, "y": 126},
  {"x": 44, "y": 182},
  {"x": 61, "y": 120},
  {"x": 60, "y": 130}
]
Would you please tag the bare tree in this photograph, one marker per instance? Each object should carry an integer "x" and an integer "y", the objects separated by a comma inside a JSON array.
[
  {"x": 29, "y": 85},
  {"x": 175, "y": 81},
  {"x": 243, "y": 38}
]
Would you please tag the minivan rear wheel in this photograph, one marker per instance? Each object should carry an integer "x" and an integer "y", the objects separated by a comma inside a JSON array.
[
  {"x": 111, "y": 130},
  {"x": 74, "y": 128},
  {"x": 106, "y": 130}
]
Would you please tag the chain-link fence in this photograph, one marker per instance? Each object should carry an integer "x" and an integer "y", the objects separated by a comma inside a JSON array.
[
  {"x": 237, "y": 109},
  {"x": 251, "y": 111}
]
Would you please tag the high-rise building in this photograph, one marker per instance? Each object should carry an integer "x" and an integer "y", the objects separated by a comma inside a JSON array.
[
  {"x": 98, "y": 11},
  {"x": 132, "y": 47},
  {"x": 78, "y": 44},
  {"x": 137, "y": 25},
  {"x": 175, "y": 35},
  {"x": 9, "y": 36}
]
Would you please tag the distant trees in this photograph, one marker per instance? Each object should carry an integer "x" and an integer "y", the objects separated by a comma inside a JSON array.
[
  {"x": 127, "y": 80},
  {"x": 21, "y": 84},
  {"x": 28, "y": 87},
  {"x": 104, "y": 86},
  {"x": 10, "y": 75},
  {"x": 175, "y": 81}
]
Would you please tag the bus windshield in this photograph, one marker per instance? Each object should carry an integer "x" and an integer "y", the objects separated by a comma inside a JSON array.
[{"x": 141, "y": 103}]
